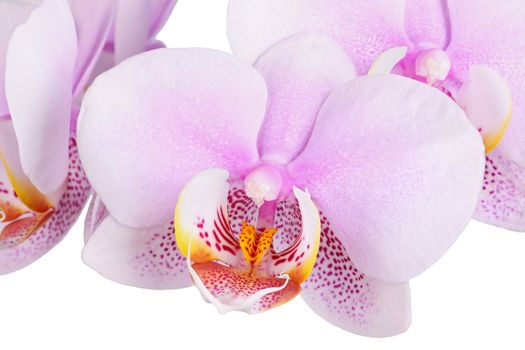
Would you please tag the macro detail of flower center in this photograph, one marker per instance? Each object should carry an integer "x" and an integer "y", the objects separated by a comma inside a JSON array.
[
  {"x": 254, "y": 245},
  {"x": 434, "y": 65},
  {"x": 227, "y": 233}
]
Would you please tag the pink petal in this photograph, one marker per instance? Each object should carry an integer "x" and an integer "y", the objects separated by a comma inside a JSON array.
[
  {"x": 492, "y": 33},
  {"x": 347, "y": 298},
  {"x": 502, "y": 201},
  {"x": 95, "y": 215},
  {"x": 300, "y": 73},
  {"x": 55, "y": 228},
  {"x": 39, "y": 78},
  {"x": 397, "y": 168},
  {"x": 427, "y": 21},
  {"x": 137, "y": 22},
  {"x": 146, "y": 258},
  {"x": 93, "y": 20},
  {"x": 149, "y": 125},
  {"x": 363, "y": 28},
  {"x": 12, "y": 14}
]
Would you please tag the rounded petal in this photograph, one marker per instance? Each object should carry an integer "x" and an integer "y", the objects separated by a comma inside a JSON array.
[
  {"x": 345, "y": 297},
  {"x": 492, "y": 33},
  {"x": 39, "y": 78},
  {"x": 363, "y": 28},
  {"x": 12, "y": 14},
  {"x": 427, "y": 22},
  {"x": 150, "y": 124},
  {"x": 51, "y": 231},
  {"x": 145, "y": 258},
  {"x": 93, "y": 20},
  {"x": 397, "y": 167},
  {"x": 300, "y": 73},
  {"x": 486, "y": 99},
  {"x": 502, "y": 200}
]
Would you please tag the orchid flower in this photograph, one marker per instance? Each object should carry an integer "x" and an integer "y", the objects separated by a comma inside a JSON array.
[
  {"x": 288, "y": 177},
  {"x": 471, "y": 51},
  {"x": 48, "y": 51}
]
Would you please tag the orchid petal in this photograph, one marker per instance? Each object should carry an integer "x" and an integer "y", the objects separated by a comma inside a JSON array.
[
  {"x": 300, "y": 73},
  {"x": 502, "y": 200},
  {"x": 487, "y": 100},
  {"x": 385, "y": 63},
  {"x": 298, "y": 259},
  {"x": 427, "y": 22},
  {"x": 363, "y": 28},
  {"x": 231, "y": 289},
  {"x": 130, "y": 38},
  {"x": 26, "y": 192},
  {"x": 475, "y": 41},
  {"x": 146, "y": 257},
  {"x": 39, "y": 78},
  {"x": 137, "y": 23},
  {"x": 345, "y": 297},
  {"x": 12, "y": 14},
  {"x": 50, "y": 231},
  {"x": 93, "y": 20},
  {"x": 161, "y": 117},
  {"x": 201, "y": 218},
  {"x": 397, "y": 168}
]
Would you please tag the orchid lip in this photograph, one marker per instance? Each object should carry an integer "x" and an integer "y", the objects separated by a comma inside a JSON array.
[{"x": 236, "y": 266}]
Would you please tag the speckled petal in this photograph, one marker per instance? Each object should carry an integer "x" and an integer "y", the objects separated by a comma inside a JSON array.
[
  {"x": 397, "y": 168},
  {"x": 39, "y": 78},
  {"x": 139, "y": 257},
  {"x": 298, "y": 259},
  {"x": 231, "y": 289},
  {"x": 55, "y": 228},
  {"x": 363, "y": 28},
  {"x": 347, "y": 298},
  {"x": 160, "y": 118},
  {"x": 502, "y": 200},
  {"x": 492, "y": 33},
  {"x": 300, "y": 73},
  {"x": 202, "y": 222}
]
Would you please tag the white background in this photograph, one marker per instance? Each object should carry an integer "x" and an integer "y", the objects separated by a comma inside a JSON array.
[{"x": 472, "y": 298}]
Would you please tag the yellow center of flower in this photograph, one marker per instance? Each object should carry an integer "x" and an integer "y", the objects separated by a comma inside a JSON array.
[{"x": 254, "y": 245}]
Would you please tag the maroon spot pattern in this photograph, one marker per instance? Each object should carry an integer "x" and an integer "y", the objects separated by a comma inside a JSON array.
[
  {"x": 335, "y": 283},
  {"x": 502, "y": 199},
  {"x": 159, "y": 261},
  {"x": 56, "y": 227},
  {"x": 240, "y": 208},
  {"x": 288, "y": 221},
  {"x": 225, "y": 283}
]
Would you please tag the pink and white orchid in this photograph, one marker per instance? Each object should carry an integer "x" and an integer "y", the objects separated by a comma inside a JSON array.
[
  {"x": 48, "y": 51},
  {"x": 471, "y": 51},
  {"x": 288, "y": 177}
]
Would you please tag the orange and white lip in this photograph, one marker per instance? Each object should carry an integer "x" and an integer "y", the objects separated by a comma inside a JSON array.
[{"x": 241, "y": 271}]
